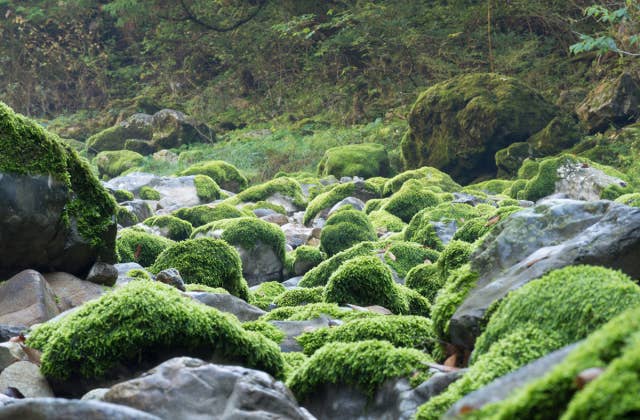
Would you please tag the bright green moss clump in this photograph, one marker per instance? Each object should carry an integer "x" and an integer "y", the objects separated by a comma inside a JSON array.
[
  {"x": 399, "y": 330},
  {"x": 365, "y": 365},
  {"x": 632, "y": 199},
  {"x": 292, "y": 362},
  {"x": 284, "y": 186},
  {"x": 176, "y": 229},
  {"x": 148, "y": 193},
  {"x": 403, "y": 256},
  {"x": 205, "y": 261},
  {"x": 426, "y": 175},
  {"x": 426, "y": 280},
  {"x": 135, "y": 245},
  {"x": 449, "y": 297},
  {"x": 195, "y": 287},
  {"x": 344, "y": 229},
  {"x": 337, "y": 193},
  {"x": 139, "y": 274},
  {"x": 206, "y": 188},
  {"x": 122, "y": 195},
  {"x": 319, "y": 276},
  {"x": 314, "y": 310},
  {"x": 364, "y": 160},
  {"x": 265, "y": 293},
  {"x": 112, "y": 164},
  {"x": 304, "y": 258},
  {"x": 300, "y": 296},
  {"x": 203, "y": 214},
  {"x": 455, "y": 255},
  {"x": 224, "y": 174},
  {"x": 269, "y": 331},
  {"x": 152, "y": 319},
  {"x": 383, "y": 221},
  {"x": 409, "y": 200}
]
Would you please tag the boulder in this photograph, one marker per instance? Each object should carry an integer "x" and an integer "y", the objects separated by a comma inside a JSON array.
[
  {"x": 62, "y": 409},
  {"x": 26, "y": 378},
  {"x": 137, "y": 126},
  {"x": 584, "y": 182},
  {"x": 141, "y": 209},
  {"x": 354, "y": 202},
  {"x": 296, "y": 234},
  {"x": 103, "y": 274},
  {"x": 70, "y": 291},
  {"x": 458, "y": 125},
  {"x": 293, "y": 329},
  {"x": 27, "y": 299},
  {"x": 365, "y": 160},
  {"x": 11, "y": 353},
  {"x": 172, "y": 277},
  {"x": 187, "y": 388},
  {"x": 9, "y": 331},
  {"x": 230, "y": 304},
  {"x": 172, "y": 129},
  {"x": 613, "y": 102},
  {"x": 553, "y": 234},
  {"x": 276, "y": 219}
]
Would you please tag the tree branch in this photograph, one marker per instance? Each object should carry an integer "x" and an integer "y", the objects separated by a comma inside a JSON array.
[{"x": 195, "y": 19}]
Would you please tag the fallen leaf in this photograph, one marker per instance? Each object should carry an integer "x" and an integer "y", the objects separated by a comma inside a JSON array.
[{"x": 492, "y": 221}]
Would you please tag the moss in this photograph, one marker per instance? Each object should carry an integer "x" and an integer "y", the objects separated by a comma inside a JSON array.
[
  {"x": 148, "y": 193},
  {"x": 544, "y": 182},
  {"x": 319, "y": 276},
  {"x": 195, "y": 287},
  {"x": 287, "y": 187},
  {"x": 304, "y": 258},
  {"x": 455, "y": 290},
  {"x": 292, "y": 362},
  {"x": 373, "y": 205},
  {"x": 114, "y": 163},
  {"x": 300, "y": 296},
  {"x": 344, "y": 229},
  {"x": 206, "y": 188},
  {"x": 265, "y": 293},
  {"x": 152, "y": 319},
  {"x": 417, "y": 304},
  {"x": 472, "y": 230},
  {"x": 247, "y": 232},
  {"x": 378, "y": 182},
  {"x": 114, "y": 138},
  {"x": 401, "y": 331},
  {"x": 454, "y": 256},
  {"x": 139, "y": 274},
  {"x": 122, "y": 195},
  {"x": 336, "y": 194},
  {"x": 509, "y": 159},
  {"x": 426, "y": 280},
  {"x": 203, "y": 214},
  {"x": 365, "y": 281},
  {"x": 517, "y": 189},
  {"x": 365, "y": 365},
  {"x": 205, "y": 261},
  {"x": 265, "y": 205},
  {"x": 426, "y": 175},
  {"x": 177, "y": 229},
  {"x": 529, "y": 169},
  {"x": 561, "y": 133},
  {"x": 493, "y": 186},
  {"x": 135, "y": 245},
  {"x": 409, "y": 200},
  {"x": 265, "y": 329},
  {"x": 403, "y": 256},
  {"x": 632, "y": 199},
  {"x": 224, "y": 174},
  {"x": 364, "y": 160},
  {"x": 383, "y": 221},
  {"x": 314, "y": 310},
  {"x": 126, "y": 217},
  {"x": 422, "y": 231},
  {"x": 613, "y": 191}
]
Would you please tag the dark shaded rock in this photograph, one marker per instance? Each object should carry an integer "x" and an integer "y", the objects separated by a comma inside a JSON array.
[
  {"x": 229, "y": 303},
  {"x": 172, "y": 277},
  {"x": 9, "y": 331},
  {"x": 354, "y": 202},
  {"x": 187, "y": 388},
  {"x": 137, "y": 126},
  {"x": 171, "y": 129},
  {"x": 140, "y": 208},
  {"x": 103, "y": 274},
  {"x": 62, "y": 409},
  {"x": 27, "y": 299},
  {"x": 293, "y": 329}
]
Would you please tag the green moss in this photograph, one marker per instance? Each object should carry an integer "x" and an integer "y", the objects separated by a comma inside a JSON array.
[
  {"x": 205, "y": 261},
  {"x": 383, "y": 221},
  {"x": 421, "y": 229},
  {"x": 456, "y": 288},
  {"x": 365, "y": 281},
  {"x": 287, "y": 187},
  {"x": 265, "y": 329},
  {"x": 632, "y": 199},
  {"x": 454, "y": 256},
  {"x": 265, "y": 293},
  {"x": 148, "y": 193},
  {"x": 314, "y": 310},
  {"x": 126, "y": 217},
  {"x": 365, "y": 365},
  {"x": 292, "y": 362},
  {"x": 135, "y": 245},
  {"x": 195, "y": 287},
  {"x": 203, "y": 214},
  {"x": 142, "y": 321},
  {"x": 417, "y": 304},
  {"x": 409, "y": 200},
  {"x": 177, "y": 229},
  {"x": 493, "y": 186},
  {"x": 426, "y": 175},
  {"x": 378, "y": 182},
  {"x": 247, "y": 232},
  {"x": 300, "y": 296},
  {"x": 426, "y": 280},
  {"x": 373, "y": 205},
  {"x": 344, "y": 229},
  {"x": 224, "y": 174},
  {"x": 403, "y": 256},
  {"x": 139, "y": 274},
  {"x": 529, "y": 169},
  {"x": 364, "y": 160},
  {"x": 472, "y": 230},
  {"x": 114, "y": 138},
  {"x": 265, "y": 205},
  {"x": 336, "y": 194},
  {"x": 122, "y": 195},
  {"x": 304, "y": 258},
  {"x": 319, "y": 276},
  {"x": 401, "y": 331},
  {"x": 561, "y": 133},
  {"x": 206, "y": 188},
  {"x": 509, "y": 159},
  {"x": 114, "y": 163}
]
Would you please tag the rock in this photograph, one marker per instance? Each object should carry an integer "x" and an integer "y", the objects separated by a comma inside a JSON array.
[
  {"x": 504, "y": 386},
  {"x": 187, "y": 388},
  {"x": 26, "y": 377},
  {"x": 103, "y": 274},
  {"x": 458, "y": 125},
  {"x": 165, "y": 155},
  {"x": 144, "y": 147},
  {"x": 445, "y": 230},
  {"x": 612, "y": 102},
  {"x": 4, "y": 400},
  {"x": 113, "y": 163},
  {"x": 123, "y": 269},
  {"x": 553, "y": 234},
  {"x": 26, "y": 299},
  {"x": 284, "y": 201},
  {"x": 137, "y": 126},
  {"x": 583, "y": 182},
  {"x": 62, "y": 409},
  {"x": 296, "y": 234},
  {"x": 70, "y": 291},
  {"x": 354, "y": 202},
  {"x": 293, "y": 329},
  {"x": 172, "y": 129},
  {"x": 95, "y": 394},
  {"x": 172, "y": 277},
  {"x": 366, "y": 160},
  {"x": 276, "y": 219},
  {"x": 468, "y": 199},
  {"x": 7, "y": 332},
  {"x": 292, "y": 283},
  {"x": 140, "y": 208},
  {"x": 229, "y": 303},
  {"x": 11, "y": 353}
]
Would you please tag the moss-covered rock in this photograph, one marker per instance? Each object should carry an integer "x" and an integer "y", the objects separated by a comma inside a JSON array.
[
  {"x": 205, "y": 213},
  {"x": 421, "y": 228},
  {"x": 344, "y": 229},
  {"x": 148, "y": 193},
  {"x": 492, "y": 186},
  {"x": 314, "y": 310},
  {"x": 145, "y": 321},
  {"x": 206, "y": 188},
  {"x": 300, "y": 296},
  {"x": 122, "y": 195},
  {"x": 365, "y": 160},
  {"x": 324, "y": 201},
  {"x": 304, "y": 258},
  {"x": 561, "y": 133},
  {"x": 509, "y": 159},
  {"x": 135, "y": 245},
  {"x": 285, "y": 187},
  {"x": 429, "y": 177},
  {"x": 125, "y": 217},
  {"x": 264, "y": 295},
  {"x": 292, "y": 362},
  {"x": 450, "y": 296},
  {"x": 365, "y": 365},
  {"x": 453, "y": 256},
  {"x": 402, "y": 256},
  {"x": 206, "y": 261},
  {"x": 458, "y": 125},
  {"x": 171, "y": 227},
  {"x": 426, "y": 280},
  {"x": 265, "y": 329},
  {"x": 224, "y": 174},
  {"x": 319, "y": 276},
  {"x": 113, "y": 163},
  {"x": 384, "y": 222},
  {"x": 409, "y": 200},
  {"x": 632, "y": 199},
  {"x": 374, "y": 204}
]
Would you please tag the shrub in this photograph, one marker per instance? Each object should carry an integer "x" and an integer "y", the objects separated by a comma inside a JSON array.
[
  {"x": 344, "y": 229},
  {"x": 135, "y": 245}
]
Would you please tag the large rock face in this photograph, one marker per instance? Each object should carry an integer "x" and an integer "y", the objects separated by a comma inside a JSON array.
[
  {"x": 554, "y": 234},
  {"x": 186, "y": 388},
  {"x": 55, "y": 215},
  {"x": 458, "y": 125},
  {"x": 61, "y": 409}
]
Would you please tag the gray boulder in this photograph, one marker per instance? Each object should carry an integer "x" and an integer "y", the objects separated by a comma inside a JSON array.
[
  {"x": 27, "y": 299},
  {"x": 172, "y": 277},
  {"x": 70, "y": 291},
  {"x": 230, "y": 304},
  {"x": 141, "y": 209},
  {"x": 555, "y": 233},
  {"x": 293, "y": 329},
  {"x": 62, "y": 409},
  {"x": 187, "y": 388},
  {"x": 26, "y": 378},
  {"x": 583, "y": 182},
  {"x": 297, "y": 234},
  {"x": 9, "y": 331},
  {"x": 11, "y": 353},
  {"x": 103, "y": 274},
  {"x": 354, "y": 202}
]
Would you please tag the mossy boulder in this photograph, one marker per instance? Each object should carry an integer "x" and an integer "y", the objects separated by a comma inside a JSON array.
[
  {"x": 149, "y": 193},
  {"x": 55, "y": 214},
  {"x": 322, "y": 203},
  {"x": 261, "y": 245},
  {"x": 429, "y": 177},
  {"x": 172, "y": 129},
  {"x": 314, "y": 310},
  {"x": 122, "y": 195},
  {"x": 283, "y": 191},
  {"x": 264, "y": 295},
  {"x": 205, "y": 213},
  {"x": 138, "y": 326},
  {"x": 113, "y": 163},
  {"x": 224, "y": 174},
  {"x": 458, "y": 125},
  {"x": 134, "y": 245},
  {"x": 206, "y": 261},
  {"x": 344, "y": 229},
  {"x": 384, "y": 222},
  {"x": 304, "y": 258},
  {"x": 365, "y": 160},
  {"x": 561, "y": 133},
  {"x": 138, "y": 126},
  {"x": 409, "y": 200},
  {"x": 425, "y": 279},
  {"x": 402, "y": 256},
  {"x": 509, "y": 159},
  {"x": 300, "y": 296},
  {"x": 170, "y": 227}
]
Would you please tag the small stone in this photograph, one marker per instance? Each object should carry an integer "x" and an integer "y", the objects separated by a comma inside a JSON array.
[
  {"x": 172, "y": 277},
  {"x": 103, "y": 273}
]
